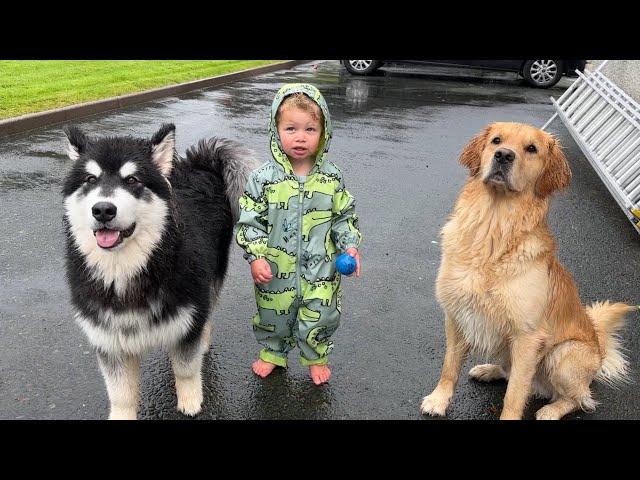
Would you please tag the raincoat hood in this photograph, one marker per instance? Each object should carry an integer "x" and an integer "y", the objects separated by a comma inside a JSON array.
[{"x": 276, "y": 146}]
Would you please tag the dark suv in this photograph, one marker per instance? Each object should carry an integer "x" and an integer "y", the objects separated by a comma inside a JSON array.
[{"x": 539, "y": 73}]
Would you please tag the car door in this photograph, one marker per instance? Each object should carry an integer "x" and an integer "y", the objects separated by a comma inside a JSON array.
[{"x": 508, "y": 65}]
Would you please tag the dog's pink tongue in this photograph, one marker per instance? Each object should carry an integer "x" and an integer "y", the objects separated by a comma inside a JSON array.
[{"x": 107, "y": 238}]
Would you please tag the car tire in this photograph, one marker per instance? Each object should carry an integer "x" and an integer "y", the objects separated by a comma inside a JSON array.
[
  {"x": 361, "y": 67},
  {"x": 542, "y": 73}
]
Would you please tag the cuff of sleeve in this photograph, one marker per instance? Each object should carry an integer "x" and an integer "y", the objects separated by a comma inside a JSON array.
[
  {"x": 249, "y": 257},
  {"x": 347, "y": 246}
]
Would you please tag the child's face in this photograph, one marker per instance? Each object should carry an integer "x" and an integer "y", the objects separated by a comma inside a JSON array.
[{"x": 299, "y": 134}]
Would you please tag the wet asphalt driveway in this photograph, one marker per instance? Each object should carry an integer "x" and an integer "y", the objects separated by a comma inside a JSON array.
[{"x": 397, "y": 139}]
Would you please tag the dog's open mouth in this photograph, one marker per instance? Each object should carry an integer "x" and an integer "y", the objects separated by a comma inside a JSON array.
[{"x": 112, "y": 238}]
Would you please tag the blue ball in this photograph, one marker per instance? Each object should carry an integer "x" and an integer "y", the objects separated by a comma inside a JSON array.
[{"x": 346, "y": 264}]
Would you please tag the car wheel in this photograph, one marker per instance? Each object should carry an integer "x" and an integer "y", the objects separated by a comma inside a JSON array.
[
  {"x": 542, "y": 73},
  {"x": 362, "y": 67}
]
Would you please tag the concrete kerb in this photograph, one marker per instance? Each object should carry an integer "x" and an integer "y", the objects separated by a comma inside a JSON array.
[{"x": 23, "y": 123}]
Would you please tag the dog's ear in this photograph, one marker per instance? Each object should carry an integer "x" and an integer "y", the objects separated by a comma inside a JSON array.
[
  {"x": 556, "y": 174},
  {"x": 76, "y": 142},
  {"x": 472, "y": 153},
  {"x": 163, "y": 145}
]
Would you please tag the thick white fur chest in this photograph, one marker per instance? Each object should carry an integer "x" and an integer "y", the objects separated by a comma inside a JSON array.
[
  {"x": 491, "y": 303},
  {"x": 478, "y": 314},
  {"x": 135, "y": 332}
]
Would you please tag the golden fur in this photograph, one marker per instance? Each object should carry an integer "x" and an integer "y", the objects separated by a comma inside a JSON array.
[{"x": 504, "y": 293}]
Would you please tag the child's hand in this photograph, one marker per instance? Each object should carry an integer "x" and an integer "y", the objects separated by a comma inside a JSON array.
[
  {"x": 261, "y": 271},
  {"x": 354, "y": 253}
]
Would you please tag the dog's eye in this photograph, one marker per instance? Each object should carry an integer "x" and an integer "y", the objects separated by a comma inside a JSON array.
[
  {"x": 91, "y": 179},
  {"x": 496, "y": 140},
  {"x": 532, "y": 149},
  {"x": 131, "y": 180}
]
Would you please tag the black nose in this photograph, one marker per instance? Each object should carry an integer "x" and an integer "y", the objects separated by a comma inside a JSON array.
[
  {"x": 104, "y": 211},
  {"x": 504, "y": 155}
]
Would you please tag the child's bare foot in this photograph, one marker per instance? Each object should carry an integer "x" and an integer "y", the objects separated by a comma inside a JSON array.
[
  {"x": 262, "y": 368},
  {"x": 319, "y": 374}
]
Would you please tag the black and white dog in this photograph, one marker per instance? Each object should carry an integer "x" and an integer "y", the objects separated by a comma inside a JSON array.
[{"x": 148, "y": 236}]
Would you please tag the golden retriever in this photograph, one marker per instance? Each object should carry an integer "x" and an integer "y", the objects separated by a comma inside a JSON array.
[{"x": 505, "y": 294}]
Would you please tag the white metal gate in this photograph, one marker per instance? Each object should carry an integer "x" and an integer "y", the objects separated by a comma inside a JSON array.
[{"x": 605, "y": 123}]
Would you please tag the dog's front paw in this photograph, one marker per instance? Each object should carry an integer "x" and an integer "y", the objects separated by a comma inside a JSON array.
[
  {"x": 120, "y": 413},
  {"x": 190, "y": 406},
  {"x": 189, "y": 396},
  {"x": 434, "y": 405}
]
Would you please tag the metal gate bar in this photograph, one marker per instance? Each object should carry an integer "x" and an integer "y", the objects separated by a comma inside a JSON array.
[{"x": 605, "y": 123}]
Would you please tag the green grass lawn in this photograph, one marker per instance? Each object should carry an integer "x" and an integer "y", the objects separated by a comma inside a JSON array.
[{"x": 34, "y": 86}]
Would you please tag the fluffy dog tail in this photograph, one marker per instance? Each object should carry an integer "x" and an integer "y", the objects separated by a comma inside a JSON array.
[
  {"x": 608, "y": 319},
  {"x": 231, "y": 161}
]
